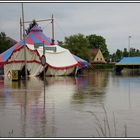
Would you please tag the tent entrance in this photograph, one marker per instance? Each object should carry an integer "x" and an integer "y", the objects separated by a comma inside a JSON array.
[{"x": 23, "y": 72}]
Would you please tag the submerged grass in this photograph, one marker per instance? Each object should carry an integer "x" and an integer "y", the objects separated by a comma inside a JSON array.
[
  {"x": 10, "y": 134},
  {"x": 104, "y": 127}
]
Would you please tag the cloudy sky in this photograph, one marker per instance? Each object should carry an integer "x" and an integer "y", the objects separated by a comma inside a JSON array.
[{"x": 114, "y": 21}]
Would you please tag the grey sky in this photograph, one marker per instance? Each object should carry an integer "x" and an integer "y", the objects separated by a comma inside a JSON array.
[{"x": 114, "y": 21}]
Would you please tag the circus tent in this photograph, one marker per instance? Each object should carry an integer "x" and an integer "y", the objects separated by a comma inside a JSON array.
[{"x": 60, "y": 62}]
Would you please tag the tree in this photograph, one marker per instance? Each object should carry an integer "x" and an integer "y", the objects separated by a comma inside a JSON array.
[
  {"x": 98, "y": 42},
  {"x": 78, "y": 45},
  {"x": 125, "y": 52},
  {"x": 31, "y": 25},
  {"x": 113, "y": 57},
  {"x": 60, "y": 43},
  {"x": 137, "y": 53},
  {"x": 118, "y": 55},
  {"x": 4, "y": 43}
]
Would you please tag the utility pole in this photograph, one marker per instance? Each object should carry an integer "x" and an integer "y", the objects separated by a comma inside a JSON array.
[
  {"x": 20, "y": 29},
  {"x": 24, "y": 44},
  {"x": 52, "y": 29}
]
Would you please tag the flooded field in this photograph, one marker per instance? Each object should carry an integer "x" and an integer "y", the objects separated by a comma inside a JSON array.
[{"x": 98, "y": 104}]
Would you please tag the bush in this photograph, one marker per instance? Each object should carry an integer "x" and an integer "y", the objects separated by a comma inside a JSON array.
[{"x": 103, "y": 66}]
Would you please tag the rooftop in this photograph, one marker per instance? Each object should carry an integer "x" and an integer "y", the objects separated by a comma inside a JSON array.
[{"x": 129, "y": 61}]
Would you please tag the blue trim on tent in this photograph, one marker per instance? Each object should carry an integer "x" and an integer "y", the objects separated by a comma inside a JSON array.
[
  {"x": 7, "y": 53},
  {"x": 129, "y": 61},
  {"x": 82, "y": 61},
  {"x": 22, "y": 43}
]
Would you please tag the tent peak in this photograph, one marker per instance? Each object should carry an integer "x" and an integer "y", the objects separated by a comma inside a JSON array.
[{"x": 36, "y": 28}]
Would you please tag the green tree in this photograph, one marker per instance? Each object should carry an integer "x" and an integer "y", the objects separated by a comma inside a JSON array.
[
  {"x": 31, "y": 25},
  {"x": 125, "y": 52},
  {"x": 134, "y": 52},
  {"x": 113, "y": 57},
  {"x": 137, "y": 52},
  {"x": 60, "y": 43},
  {"x": 98, "y": 42},
  {"x": 4, "y": 43},
  {"x": 119, "y": 55},
  {"x": 78, "y": 45}
]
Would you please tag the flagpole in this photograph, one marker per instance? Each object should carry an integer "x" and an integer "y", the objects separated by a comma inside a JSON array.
[{"x": 24, "y": 43}]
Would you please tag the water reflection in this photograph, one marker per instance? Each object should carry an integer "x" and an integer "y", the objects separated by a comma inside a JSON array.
[
  {"x": 26, "y": 100},
  {"x": 62, "y": 111},
  {"x": 59, "y": 92},
  {"x": 91, "y": 87},
  {"x": 35, "y": 109},
  {"x": 125, "y": 84},
  {"x": 39, "y": 116}
]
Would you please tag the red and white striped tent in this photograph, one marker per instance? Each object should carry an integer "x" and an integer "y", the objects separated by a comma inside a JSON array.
[{"x": 60, "y": 62}]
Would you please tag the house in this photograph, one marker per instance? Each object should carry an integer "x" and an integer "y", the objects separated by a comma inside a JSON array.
[{"x": 97, "y": 56}]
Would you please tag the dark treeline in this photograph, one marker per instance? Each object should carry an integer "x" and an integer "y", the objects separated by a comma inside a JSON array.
[
  {"x": 115, "y": 57},
  {"x": 4, "y": 43}
]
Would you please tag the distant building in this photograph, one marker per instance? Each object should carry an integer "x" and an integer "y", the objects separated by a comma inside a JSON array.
[{"x": 97, "y": 56}]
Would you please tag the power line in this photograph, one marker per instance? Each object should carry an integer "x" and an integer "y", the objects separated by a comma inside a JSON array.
[{"x": 60, "y": 28}]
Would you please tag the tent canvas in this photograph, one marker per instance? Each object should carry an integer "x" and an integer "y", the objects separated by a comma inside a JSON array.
[
  {"x": 81, "y": 62},
  {"x": 59, "y": 63}
]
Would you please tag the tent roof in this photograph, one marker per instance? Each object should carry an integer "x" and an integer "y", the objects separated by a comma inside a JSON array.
[
  {"x": 82, "y": 63},
  {"x": 129, "y": 61},
  {"x": 35, "y": 36},
  {"x": 60, "y": 59}
]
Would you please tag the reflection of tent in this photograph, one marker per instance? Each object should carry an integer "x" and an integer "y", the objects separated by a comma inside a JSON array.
[
  {"x": 81, "y": 82},
  {"x": 60, "y": 62}
]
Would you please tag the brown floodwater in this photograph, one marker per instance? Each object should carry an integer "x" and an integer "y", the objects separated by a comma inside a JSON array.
[{"x": 97, "y": 104}]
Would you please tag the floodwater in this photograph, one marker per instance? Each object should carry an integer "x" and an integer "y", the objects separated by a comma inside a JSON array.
[{"x": 97, "y": 104}]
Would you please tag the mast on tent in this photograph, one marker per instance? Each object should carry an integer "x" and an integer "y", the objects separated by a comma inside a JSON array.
[
  {"x": 50, "y": 19},
  {"x": 20, "y": 29},
  {"x": 52, "y": 29},
  {"x": 24, "y": 44}
]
